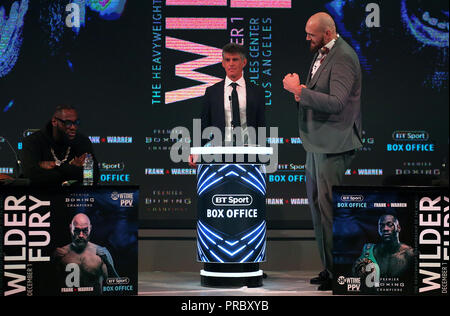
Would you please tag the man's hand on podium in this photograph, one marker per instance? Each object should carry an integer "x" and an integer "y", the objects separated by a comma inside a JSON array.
[{"x": 193, "y": 161}]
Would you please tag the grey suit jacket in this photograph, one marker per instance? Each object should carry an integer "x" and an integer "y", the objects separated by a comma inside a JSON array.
[{"x": 330, "y": 108}]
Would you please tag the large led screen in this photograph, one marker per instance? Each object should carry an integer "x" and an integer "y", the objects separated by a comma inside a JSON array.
[{"x": 136, "y": 70}]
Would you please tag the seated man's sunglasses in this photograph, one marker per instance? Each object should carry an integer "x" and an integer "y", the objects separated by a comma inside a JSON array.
[{"x": 68, "y": 123}]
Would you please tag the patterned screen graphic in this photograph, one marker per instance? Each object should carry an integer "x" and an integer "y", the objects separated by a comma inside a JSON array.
[{"x": 136, "y": 70}]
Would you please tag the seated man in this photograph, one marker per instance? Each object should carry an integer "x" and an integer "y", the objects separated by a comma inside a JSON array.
[{"x": 56, "y": 153}]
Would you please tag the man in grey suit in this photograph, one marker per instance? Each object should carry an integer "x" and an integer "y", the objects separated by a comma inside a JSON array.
[{"x": 329, "y": 116}]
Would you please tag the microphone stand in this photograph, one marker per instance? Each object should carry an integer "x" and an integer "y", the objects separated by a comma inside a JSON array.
[{"x": 18, "y": 164}]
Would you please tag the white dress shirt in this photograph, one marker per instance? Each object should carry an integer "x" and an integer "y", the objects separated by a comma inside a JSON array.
[
  {"x": 318, "y": 62},
  {"x": 242, "y": 96}
]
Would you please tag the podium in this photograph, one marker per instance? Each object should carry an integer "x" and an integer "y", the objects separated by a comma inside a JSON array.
[{"x": 231, "y": 222}]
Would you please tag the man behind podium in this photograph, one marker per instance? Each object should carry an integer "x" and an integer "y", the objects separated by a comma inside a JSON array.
[
  {"x": 56, "y": 153},
  {"x": 233, "y": 102}
]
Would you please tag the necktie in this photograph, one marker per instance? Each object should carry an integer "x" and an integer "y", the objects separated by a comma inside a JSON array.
[
  {"x": 324, "y": 51},
  {"x": 236, "y": 119}
]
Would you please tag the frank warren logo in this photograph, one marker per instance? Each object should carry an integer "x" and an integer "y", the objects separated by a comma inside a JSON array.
[
  {"x": 352, "y": 198},
  {"x": 126, "y": 199}
]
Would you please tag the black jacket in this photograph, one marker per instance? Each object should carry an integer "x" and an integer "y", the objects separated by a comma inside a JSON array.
[
  {"x": 213, "y": 113},
  {"x": 37, "y": 147}
]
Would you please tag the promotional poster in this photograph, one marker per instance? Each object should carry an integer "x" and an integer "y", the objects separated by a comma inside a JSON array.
[
  {"x": 391, "y": 241},
  {"x": 71, "y": 242}
]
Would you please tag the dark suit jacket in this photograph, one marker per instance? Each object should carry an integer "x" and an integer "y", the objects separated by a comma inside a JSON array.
[
  {"x": 330, "y": 107},
  {"x": 213, "y": 112}
]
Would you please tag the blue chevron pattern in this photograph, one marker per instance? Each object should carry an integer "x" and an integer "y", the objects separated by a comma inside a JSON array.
[
  {"x": 210, "y": 176},
  {"x": 248, "y": 246}
]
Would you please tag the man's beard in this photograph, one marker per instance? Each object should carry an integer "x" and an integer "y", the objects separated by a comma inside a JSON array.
[
  {"x": 316, "y": 48},
  {"x": 389, "y": 238},
  {"x": 62, "y": 137},
  {"x": 79, "y": 243}
]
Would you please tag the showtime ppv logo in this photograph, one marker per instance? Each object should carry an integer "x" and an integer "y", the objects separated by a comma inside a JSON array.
[
  {"x": 353, "y": 284},
  {"x": 126, "y": 199}
]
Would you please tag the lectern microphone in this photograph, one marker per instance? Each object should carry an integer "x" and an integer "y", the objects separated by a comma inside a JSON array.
[{"x": 16, "y": 157}]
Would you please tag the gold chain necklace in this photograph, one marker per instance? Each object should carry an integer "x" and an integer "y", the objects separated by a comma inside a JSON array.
[{"x": 57, "y": 161}]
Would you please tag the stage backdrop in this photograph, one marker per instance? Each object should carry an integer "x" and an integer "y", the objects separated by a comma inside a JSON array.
[{"x": 137, "y": 69}]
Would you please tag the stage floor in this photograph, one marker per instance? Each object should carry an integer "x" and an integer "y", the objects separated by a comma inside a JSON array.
[{"x": 288, "y": 283}]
